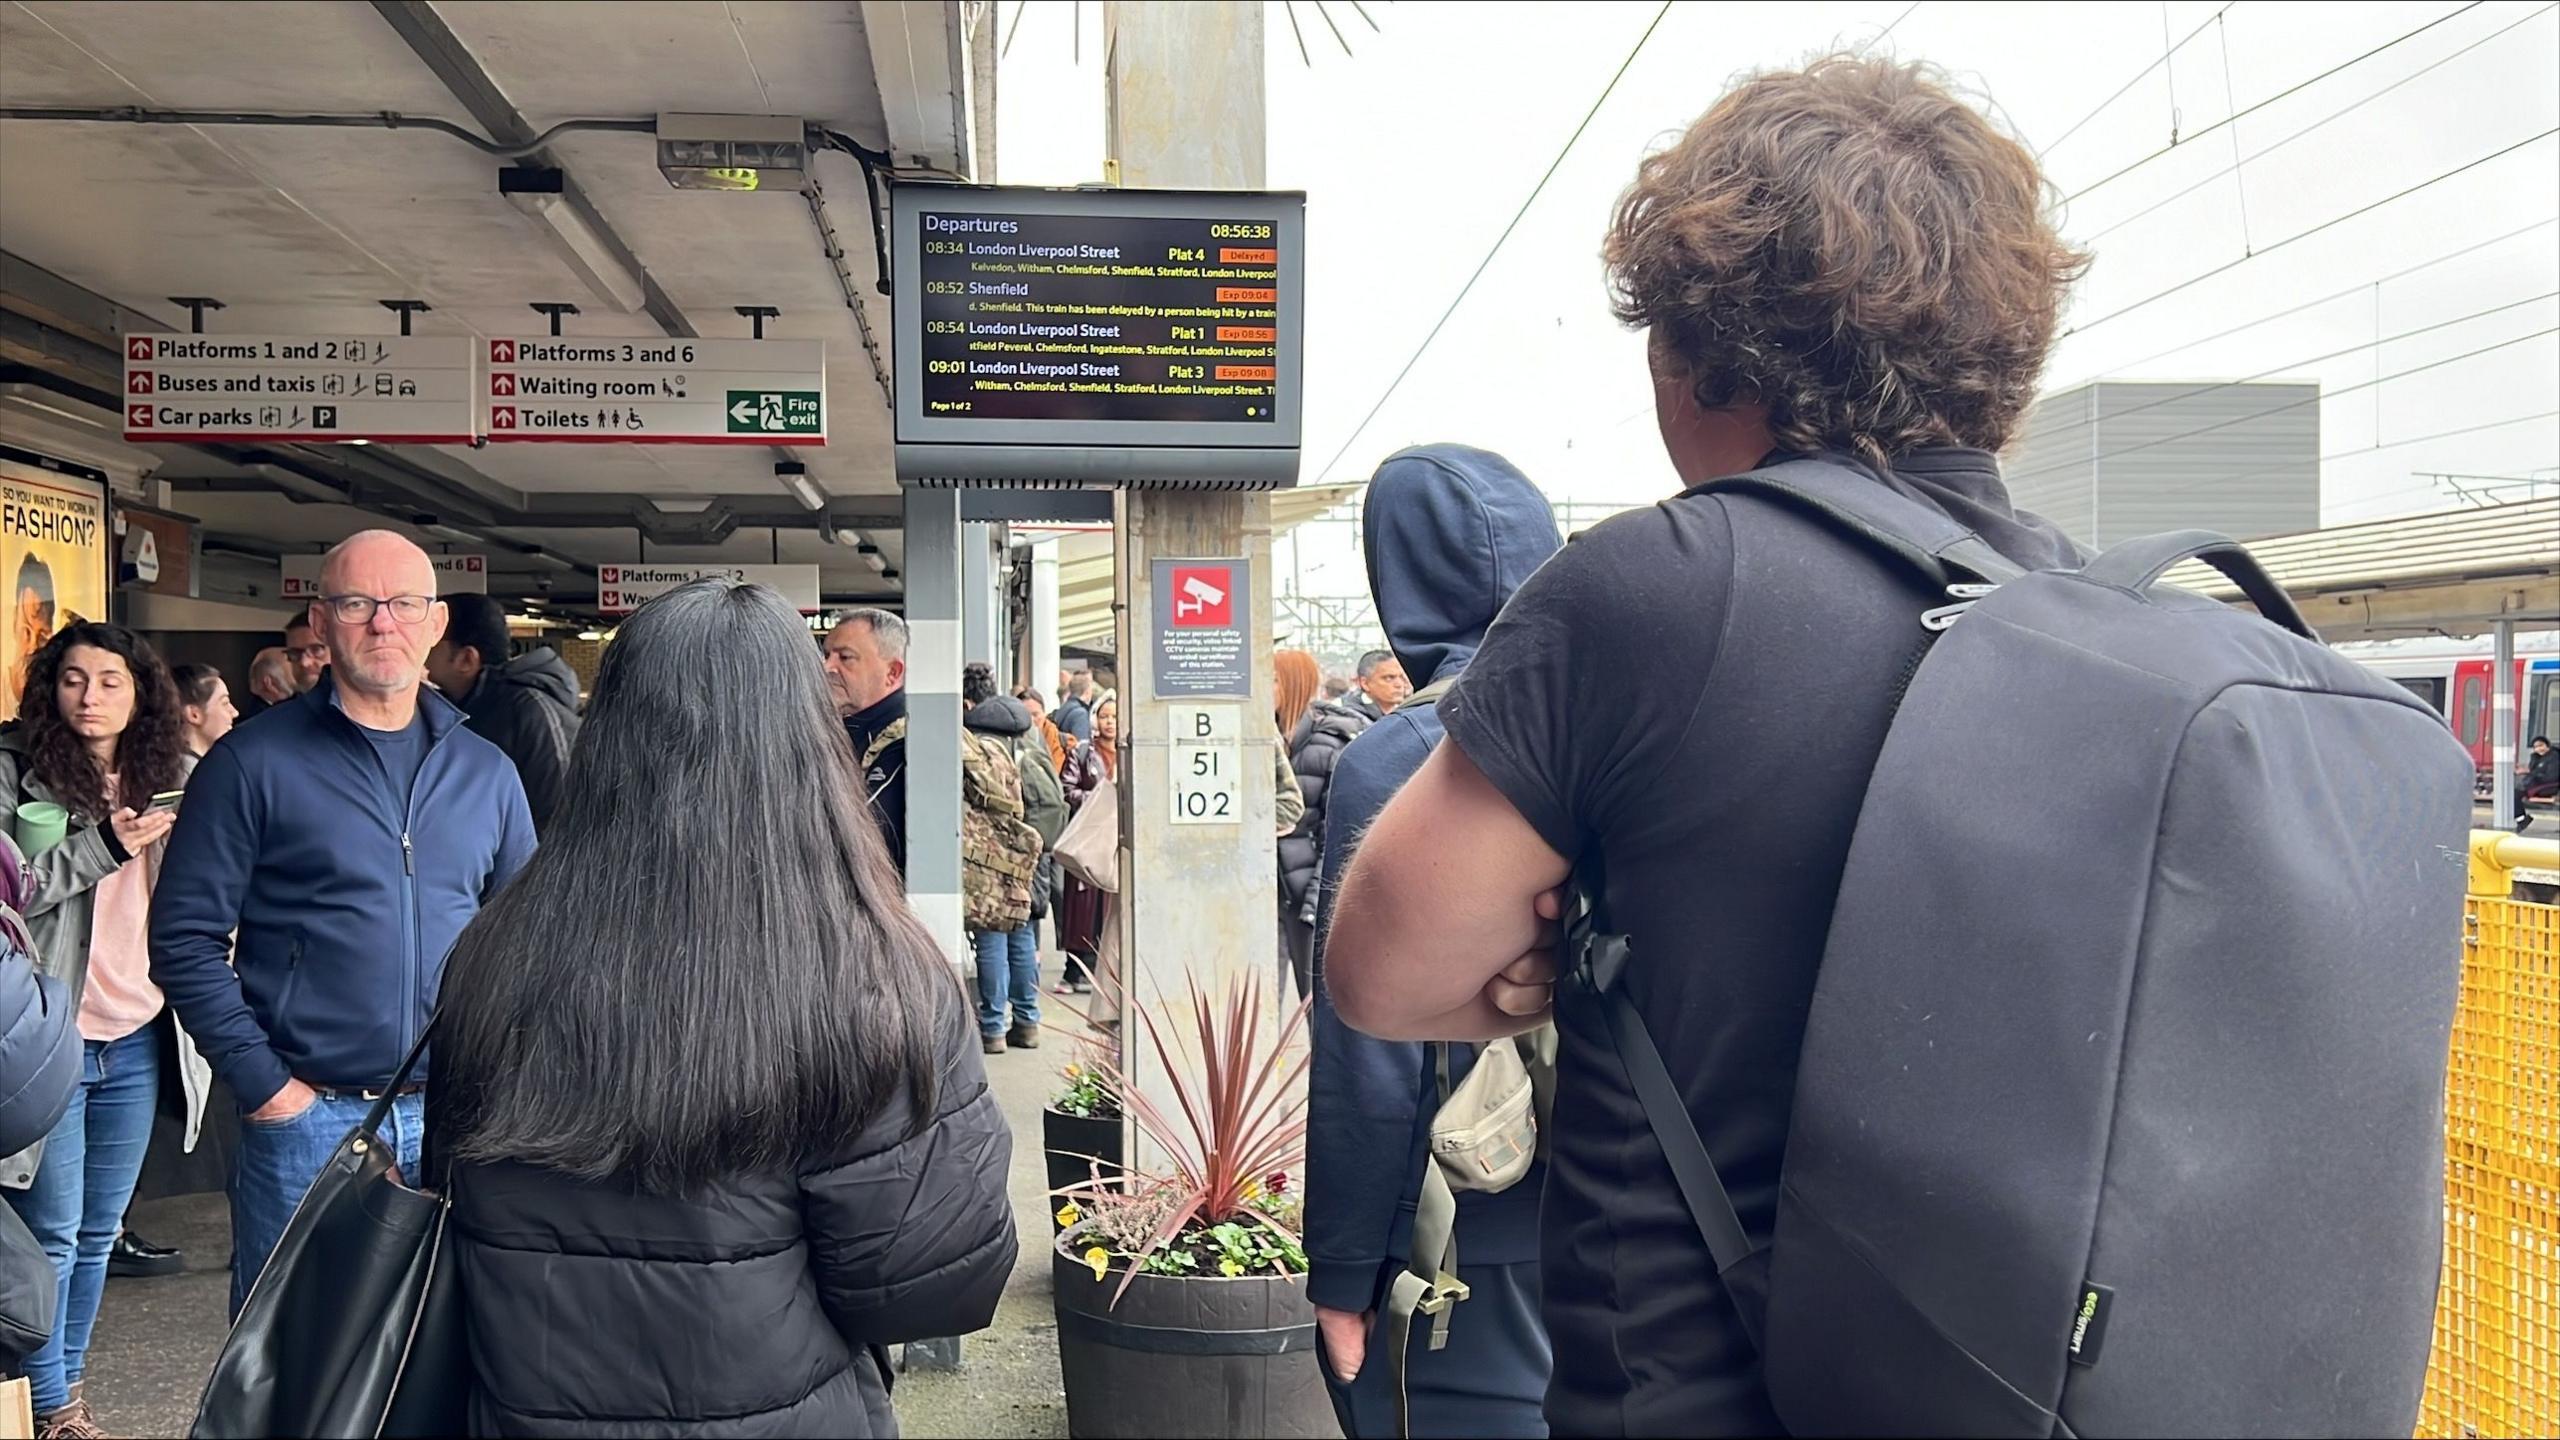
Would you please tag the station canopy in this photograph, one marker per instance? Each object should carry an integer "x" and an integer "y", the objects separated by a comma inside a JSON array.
[
  {"x": 305, "y": 230},
  {"x": 2455, "y": 573}
]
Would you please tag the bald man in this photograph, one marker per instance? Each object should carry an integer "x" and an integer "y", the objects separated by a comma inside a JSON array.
[
  {"x": 270, "y": 682},
  {"x": 347, "y": 838}
]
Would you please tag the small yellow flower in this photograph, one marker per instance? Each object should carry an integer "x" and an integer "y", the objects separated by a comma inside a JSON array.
[
  {"x": 1229, "y": 1267},
  {"x": 1100, "y": 1260},
  {"x": 1071, "y": 1072},
  {"x": 1252, "y": 1190},
  {"x": 1068, "y": 1214}
]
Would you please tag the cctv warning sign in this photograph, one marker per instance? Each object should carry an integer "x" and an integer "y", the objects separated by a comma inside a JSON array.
[
  {"x": 1203, "y": 596},
  {"x": 1202, "y": 620}
]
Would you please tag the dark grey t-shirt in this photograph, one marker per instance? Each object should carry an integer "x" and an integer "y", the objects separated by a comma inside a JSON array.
[{"x": 1699, "y": 690}]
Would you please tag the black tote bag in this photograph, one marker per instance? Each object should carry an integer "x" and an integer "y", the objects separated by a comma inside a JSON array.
[{"x": 355, "y": 1327}]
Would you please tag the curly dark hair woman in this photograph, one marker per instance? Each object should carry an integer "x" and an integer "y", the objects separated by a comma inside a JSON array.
[
  {"x": 701, "y": 1050},
  {"x": 148, "y": 755},
  {"x": 1793, "y": 250}
]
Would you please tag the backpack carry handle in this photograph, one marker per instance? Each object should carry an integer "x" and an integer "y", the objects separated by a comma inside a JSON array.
[{"x": 2137, "y": 565}]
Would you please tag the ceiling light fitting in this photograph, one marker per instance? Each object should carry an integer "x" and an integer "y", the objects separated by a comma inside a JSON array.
[{"x": 542, "y": 194}]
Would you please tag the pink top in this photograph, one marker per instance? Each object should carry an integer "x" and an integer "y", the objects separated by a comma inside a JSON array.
[{"x": 120, "y": 997}]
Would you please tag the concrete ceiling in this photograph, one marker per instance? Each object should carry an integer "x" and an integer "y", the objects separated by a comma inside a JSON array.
[{"x": 303, "y": 231}]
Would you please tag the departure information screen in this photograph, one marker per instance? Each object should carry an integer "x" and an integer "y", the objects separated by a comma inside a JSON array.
[{"x": 1080, "y": 317}]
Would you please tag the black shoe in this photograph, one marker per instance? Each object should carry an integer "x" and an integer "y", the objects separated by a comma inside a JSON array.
[{"x": 136, "y": 1256}]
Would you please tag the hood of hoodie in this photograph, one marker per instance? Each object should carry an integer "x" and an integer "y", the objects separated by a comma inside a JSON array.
[
  {"x": 545, "y": 673},
  {"x": 1449, "y": 531},
  {"x": 999, "y": 715}
]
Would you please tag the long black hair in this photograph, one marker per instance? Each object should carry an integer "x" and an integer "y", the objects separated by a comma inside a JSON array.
[
  {"x": 149, "y": 752},
  {"x": 708, "y": 968}
]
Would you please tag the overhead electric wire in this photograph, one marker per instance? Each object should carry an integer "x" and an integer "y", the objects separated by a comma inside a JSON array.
[
  {"x": 2266, "y": 150},
  {"x": 2127, "y": 87},
  {"x": 2359, "y": 288},
  {"x": 2362, "y": 450},
  {"x": 2374, "y": 344},
  {"x": 1487, "y": 262},
  {"x": 2289, "y": 90},
  {"x": 2312, "y": 399},
  {"x": 2331, "y": 223}
]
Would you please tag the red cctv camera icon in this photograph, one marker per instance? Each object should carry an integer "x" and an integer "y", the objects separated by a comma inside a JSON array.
[{"x": 1202, "y": 598}]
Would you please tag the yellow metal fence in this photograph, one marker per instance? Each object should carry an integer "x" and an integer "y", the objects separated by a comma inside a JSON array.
[{"x": 2496, "y": 1369}]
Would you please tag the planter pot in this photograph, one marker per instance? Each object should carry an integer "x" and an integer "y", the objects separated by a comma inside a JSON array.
[
  {"x": 1206, "y": 1357},
  {"x": 1072, "y": 1144}
]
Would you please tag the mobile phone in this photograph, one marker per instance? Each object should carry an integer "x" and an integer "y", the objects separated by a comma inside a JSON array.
[{"x": 165, "y": 800}]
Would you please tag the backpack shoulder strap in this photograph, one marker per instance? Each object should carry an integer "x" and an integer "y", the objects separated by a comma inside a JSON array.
[
  {"x": 890, "y": 734},
  {"x": 1863, "y": 509},
  {"x": 1599, "y": 957},
  {"x": 1429, "y": 694}
]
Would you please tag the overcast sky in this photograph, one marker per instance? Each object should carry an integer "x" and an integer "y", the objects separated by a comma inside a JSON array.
[{"x": 1416, "y": 149}]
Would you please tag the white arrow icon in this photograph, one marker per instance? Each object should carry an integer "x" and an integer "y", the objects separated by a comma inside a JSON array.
[{"x": 744, "y": 412}]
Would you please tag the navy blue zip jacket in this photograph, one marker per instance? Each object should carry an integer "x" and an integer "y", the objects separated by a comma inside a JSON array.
[
  {"x": 1449, "y": 533},
  {"x": 344, "y": 893}
]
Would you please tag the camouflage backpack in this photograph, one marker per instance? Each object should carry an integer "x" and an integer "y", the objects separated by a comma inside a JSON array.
[{"x": 999, "y": 851}]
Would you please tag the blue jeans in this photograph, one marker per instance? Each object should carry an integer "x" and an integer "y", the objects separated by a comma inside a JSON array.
[
  {"x": 278, "y": 1162},
  {"x": 1007, "y": 965},
  {"x": 76, "y": 1205}
]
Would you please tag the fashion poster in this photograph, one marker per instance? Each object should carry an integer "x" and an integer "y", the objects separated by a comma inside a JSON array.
[{"x": 53, "y": 558}]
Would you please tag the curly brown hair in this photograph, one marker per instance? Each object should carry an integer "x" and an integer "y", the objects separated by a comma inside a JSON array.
[
  {"x": 1853, "y": 247},
  {"x": 147, "y": 754}
]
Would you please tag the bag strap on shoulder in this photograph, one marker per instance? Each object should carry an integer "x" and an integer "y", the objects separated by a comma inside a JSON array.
[
  {"x": 1599, "y": 957},
  {"x": 1862, "y": 508}
]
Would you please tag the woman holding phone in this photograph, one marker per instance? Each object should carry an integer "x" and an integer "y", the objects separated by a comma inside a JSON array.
[{"x": 99, "y": 735}]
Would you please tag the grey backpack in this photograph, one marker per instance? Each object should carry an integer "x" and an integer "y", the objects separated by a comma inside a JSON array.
[{"x": 2121, "y": 1104}]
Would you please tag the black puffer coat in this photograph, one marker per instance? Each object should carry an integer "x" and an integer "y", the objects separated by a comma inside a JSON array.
[
  {"x": 1313, "y": 747},
  {"x": 761, "y": 1308}
]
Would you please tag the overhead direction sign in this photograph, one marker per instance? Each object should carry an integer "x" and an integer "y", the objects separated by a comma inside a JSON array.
[
  {"x": 312, "y": 389},
  {"x": 621, "y": 589},
  {"x": 655, "y": 392},
  {"x": 455, "y": 575}
]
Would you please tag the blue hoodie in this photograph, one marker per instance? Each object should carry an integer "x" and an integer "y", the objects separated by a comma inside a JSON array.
[{"x": 1450, "y": 532}]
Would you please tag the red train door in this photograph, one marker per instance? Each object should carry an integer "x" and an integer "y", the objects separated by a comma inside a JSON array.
[{"x": 2469, "y": 714}]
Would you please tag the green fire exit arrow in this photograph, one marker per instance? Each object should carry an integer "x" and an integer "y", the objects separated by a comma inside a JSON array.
[{"x": 776, "y": 412}]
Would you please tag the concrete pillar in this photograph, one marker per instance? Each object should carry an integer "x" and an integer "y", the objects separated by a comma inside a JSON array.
[
  {"x": 1198, "y": 901},
  {"x": 933, "y": 574},
  {"x": 1044, "y": 619},
  {"x": 981, "y": 607},
  {"x": 2502, "y": 727}
]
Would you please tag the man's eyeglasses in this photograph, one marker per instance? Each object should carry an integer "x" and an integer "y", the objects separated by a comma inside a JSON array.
[{"x": 358, "y": 609}]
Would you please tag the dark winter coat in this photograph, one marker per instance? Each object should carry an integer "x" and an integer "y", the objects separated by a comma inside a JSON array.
[
  {"x": 760, "y": 1308},
  {"x": 1313, "y": 747},
  {"x": 1450, "y": 532},
  {"x": 529, "y": 709}
]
